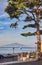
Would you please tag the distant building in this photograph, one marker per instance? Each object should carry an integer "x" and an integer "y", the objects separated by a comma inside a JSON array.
[{"x": 41, "y": 47}]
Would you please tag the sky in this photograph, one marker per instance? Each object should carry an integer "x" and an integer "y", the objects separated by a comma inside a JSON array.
[{"x": 10, "y": 35}]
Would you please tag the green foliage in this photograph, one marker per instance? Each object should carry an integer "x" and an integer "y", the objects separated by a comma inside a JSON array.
[
  {"x": 41, "y": 12},
  {"x": 14, "y": 25},
  {"x": 33, "y": 54},
  {"x": 30, "y": 5},
  {"x": 28, "y": 34},
  {"x": 40, "y": 54},
  {"x": 17, "y": 7},
  {"x": 19, "y": 0},
  {"x": 28, "y": 18},
  {"x": 29, "y": 25},
  {"x": 11, "y": 8},
  {"x": 40, "y": 17}
]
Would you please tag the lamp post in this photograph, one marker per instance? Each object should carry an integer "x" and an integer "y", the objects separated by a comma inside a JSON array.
[{"x": 13, "y": 50}]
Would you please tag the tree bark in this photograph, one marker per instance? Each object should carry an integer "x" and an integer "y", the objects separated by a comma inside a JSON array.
[
  {"x": 38, "y": 39},
  {"x": 38, "y": 33}
]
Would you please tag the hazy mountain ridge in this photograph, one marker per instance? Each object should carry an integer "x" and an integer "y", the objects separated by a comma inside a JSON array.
[
  {"x": 16, "y": 45},
  {"x": 21, "y": 48}
]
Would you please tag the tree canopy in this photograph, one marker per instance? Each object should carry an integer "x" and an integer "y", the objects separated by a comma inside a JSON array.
[{"x": 17, "y": 7}]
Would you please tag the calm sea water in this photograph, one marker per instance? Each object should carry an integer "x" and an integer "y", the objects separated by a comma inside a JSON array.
[
  {"x": 7, "y": 49},
  {"x": 15, "y": 50}
]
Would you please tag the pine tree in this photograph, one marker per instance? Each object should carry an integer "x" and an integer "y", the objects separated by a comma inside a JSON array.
[{"x": 17, "y": 7}]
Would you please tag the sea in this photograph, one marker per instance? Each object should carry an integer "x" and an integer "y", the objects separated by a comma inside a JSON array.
[{"x": 16, "y": 48}]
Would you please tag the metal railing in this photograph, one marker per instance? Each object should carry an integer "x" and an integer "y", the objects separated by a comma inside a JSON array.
[{"x": 17, "y": 49}]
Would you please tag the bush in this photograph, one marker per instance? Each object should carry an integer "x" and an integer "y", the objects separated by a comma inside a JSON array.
[{"x": 40, "y": 54}]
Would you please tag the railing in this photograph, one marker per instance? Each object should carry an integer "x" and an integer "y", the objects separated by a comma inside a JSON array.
[
  {"x": 12, "y": 56},
  {"x": 6, "y": 50}
]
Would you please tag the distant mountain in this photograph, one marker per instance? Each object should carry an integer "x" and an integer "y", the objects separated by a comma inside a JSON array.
[
  {"x": 15, "y": 45},
  {"x": 17, "y": 48}
]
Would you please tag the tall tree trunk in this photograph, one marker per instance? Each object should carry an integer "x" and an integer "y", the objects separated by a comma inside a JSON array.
[
  {"x": 38, "y": 33},
  {"x": 38, "y": 39}
]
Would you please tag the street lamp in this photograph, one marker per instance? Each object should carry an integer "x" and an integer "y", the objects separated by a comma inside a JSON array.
[{"x": 13, "y": 50}]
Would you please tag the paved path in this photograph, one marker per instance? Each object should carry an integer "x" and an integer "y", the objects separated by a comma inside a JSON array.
[{"x": 23, "y": 63}]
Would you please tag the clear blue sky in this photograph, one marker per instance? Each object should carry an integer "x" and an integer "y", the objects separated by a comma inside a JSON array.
[{"x": 10, "y": 35}]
